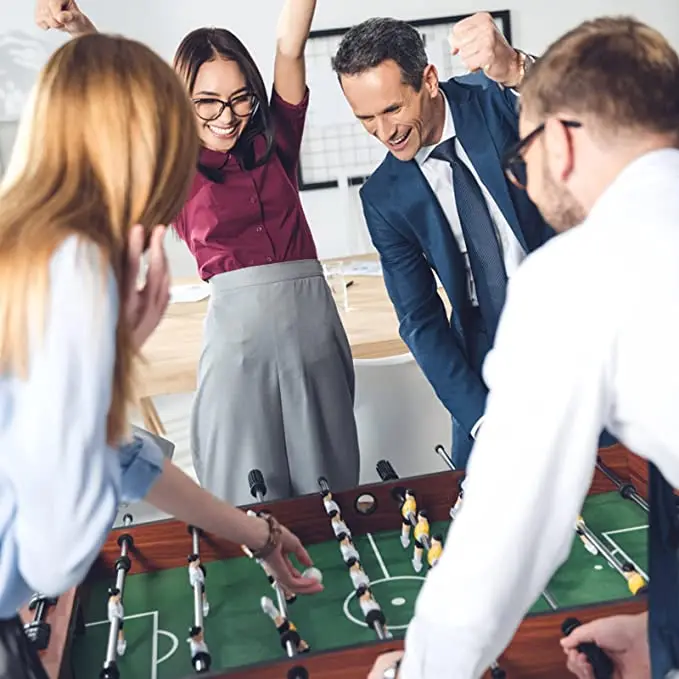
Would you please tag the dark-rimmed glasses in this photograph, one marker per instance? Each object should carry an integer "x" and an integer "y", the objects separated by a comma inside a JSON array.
[
  {"x": 513, "y": 162},
  {"x": 241, "y": 105}
]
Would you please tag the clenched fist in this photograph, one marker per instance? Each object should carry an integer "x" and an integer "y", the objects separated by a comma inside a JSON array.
[
  {"x": 481, "y": 45},
  {"x": 64, "y": 15}
]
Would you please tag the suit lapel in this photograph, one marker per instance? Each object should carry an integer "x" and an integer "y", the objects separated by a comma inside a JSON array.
[
  {"x": 472, "y": 131},
  {"x": 414, "y": 200}
]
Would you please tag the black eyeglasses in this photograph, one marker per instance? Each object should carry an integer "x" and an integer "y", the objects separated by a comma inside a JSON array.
[
  {"x": 513, "y": 162},
  {"x": 241, "y": 105}
]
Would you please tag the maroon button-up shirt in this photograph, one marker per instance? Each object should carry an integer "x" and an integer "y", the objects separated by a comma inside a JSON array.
[{"x": 254, "y": 217}]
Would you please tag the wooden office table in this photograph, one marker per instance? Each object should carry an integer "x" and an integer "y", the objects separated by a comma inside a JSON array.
[{"x": 171, "y": 354}]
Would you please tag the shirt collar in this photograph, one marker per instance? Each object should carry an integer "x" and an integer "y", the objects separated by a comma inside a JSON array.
[{"x": 448, "y": 133}]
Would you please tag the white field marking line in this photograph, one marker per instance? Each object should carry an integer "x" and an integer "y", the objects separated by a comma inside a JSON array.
[
  {"x": 625, "y": 555},
  {"x": 155, "y": 661},
  {"x": 175, "y": 645},
  {"x": 378, "y": 556},
  {"x": 625, "y": 530},
  {"x": 126, "y": 617}
]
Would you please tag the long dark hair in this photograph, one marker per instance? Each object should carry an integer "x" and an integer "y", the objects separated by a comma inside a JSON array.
[{"x": 206, "y": 44}]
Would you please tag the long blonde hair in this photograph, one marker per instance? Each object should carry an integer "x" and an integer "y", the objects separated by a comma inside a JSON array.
[{"x": 107, "y": 141}]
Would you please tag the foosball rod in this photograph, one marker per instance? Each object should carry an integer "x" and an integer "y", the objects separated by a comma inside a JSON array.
[
  {"x": 387, "y": 473},
  {"x": 378, "y": 627},
  {"x": 197, "y": 593},
  {"x": 122, "y": 566},
  {"x": 626, "y": 490},
  {"x": 546, "y": 594}
]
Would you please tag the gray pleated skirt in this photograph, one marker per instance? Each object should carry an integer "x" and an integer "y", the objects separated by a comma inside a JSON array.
[{"x": 275, "y": 385}]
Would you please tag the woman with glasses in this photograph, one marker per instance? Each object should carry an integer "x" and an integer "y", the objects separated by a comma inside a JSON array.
[{"x": 275, "y": 381}]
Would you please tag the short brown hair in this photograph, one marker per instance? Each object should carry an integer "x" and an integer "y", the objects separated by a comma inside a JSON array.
[{"x": 616, "y": 70}]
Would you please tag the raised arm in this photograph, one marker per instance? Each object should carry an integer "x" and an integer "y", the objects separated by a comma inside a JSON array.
[
  {"x": 64, "y": 15},
  {"x": 294, "y": 25}
]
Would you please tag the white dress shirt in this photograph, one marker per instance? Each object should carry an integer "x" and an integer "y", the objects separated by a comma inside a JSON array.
[
  {"x": 439, "y": 175},
  {"x": 587, "y": 340}
]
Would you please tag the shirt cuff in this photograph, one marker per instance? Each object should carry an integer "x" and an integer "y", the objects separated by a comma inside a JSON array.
[
  {"x": 476, "y": 427},
  {"x": 141, "y": 463}
]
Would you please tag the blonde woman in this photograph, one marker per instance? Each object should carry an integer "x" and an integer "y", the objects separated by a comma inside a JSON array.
[{"x": 103, "y": 146}]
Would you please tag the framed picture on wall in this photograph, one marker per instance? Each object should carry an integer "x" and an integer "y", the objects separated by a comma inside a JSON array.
[{"x": 336, "y": 150}]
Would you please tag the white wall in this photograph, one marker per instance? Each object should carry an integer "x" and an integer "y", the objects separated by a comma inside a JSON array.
[{"x": 162, "y": 23}]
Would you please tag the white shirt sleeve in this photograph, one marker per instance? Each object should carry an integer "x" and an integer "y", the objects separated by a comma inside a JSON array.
[
  {"x": 66, "y": 479},
  {"x": 529, "y": 473}
]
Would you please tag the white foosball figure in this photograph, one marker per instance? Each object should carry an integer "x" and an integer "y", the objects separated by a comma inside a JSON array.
[
  {"x": 583, "y": 538},
  {"x": 357, "y": 574},
  {"x": 116, "y": 611},
  {"x": 347, "y": 548},
  {"x": 197, "y": 577},
  {"x": 329, "y": 504},
  {"x": 339, "y": 526},
  {"x": 200, "y": 656}
]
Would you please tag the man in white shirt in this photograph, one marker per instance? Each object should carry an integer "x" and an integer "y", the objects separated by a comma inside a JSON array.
[{"x": 588, "y": 339}]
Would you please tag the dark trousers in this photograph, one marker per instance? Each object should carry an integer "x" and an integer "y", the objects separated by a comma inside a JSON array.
[{"x": 18, "y": 659}]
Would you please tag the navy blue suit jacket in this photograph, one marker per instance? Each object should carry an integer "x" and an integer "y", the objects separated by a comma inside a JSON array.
[{"x": 413, "y": 236}]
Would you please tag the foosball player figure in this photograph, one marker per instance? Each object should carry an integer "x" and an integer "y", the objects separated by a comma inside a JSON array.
[
  {"x": 347, "y": 547},
  {"x": 420, "y": 533},
  {"x": 357, "y": 574},
  {"x": 290, "y": 598},
  {"x": 338, "y": 525},
  {"x": 329, "y": 504},
  {"x": 583, "y": 538},
  {"x": 635, "y": 581},
  {"x": 200, "y": 656},
  {"x": 197, "y": 576},
  {"x": 286, "y": 629},
  {"x": 369, "y": 607},
  {"x": 458, "y": 503},
  {"x": 116, "y": 611},
  {"x": 435, "y": 550},
  {"x": 408, "y": 510}
]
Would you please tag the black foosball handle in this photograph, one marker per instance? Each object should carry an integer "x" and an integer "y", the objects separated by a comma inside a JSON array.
[
  {"x": 497, "y": 673},
  {"x": 298, "y": 672},
  {"x": 386, "y": 471},
  {"x": 257, "y": 484},
  {"x": 323, "y": 485},
  {"x": 602, "y": 665}
]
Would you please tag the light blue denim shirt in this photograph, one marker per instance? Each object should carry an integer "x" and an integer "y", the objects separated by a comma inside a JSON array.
[{"x": 60, "y": 483}]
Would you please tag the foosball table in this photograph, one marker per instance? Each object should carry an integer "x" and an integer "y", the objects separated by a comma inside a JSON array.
[{"x": 195, "y": 604}]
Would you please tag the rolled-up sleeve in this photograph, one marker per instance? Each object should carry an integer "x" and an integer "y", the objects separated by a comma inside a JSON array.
[{"x": 141, "y": 463}]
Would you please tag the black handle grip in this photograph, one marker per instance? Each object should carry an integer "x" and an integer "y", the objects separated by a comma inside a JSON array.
[
  {"x": 298, "y": 672},
  {"x": 602, "y": 665},
  {"x": 497, "y": 673},
  {"x": 323, "y": 485},
  {"x": 256, "y": 481},
  {"x": 386, "y": 471}
]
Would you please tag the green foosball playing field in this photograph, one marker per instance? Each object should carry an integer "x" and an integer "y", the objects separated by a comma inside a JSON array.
[{"x": 159, "y": 605}]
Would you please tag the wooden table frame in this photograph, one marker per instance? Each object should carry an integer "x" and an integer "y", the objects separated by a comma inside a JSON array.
[{"x": 534, "y": 653}]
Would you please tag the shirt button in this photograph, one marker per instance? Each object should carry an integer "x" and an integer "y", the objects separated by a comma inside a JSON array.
[
  {"x": 253, "y": 199},
  {"x": 259, "y": 228},
  {"x": 268, "y": 259}
]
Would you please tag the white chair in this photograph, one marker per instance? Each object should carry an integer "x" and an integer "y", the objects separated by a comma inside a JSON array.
[{"x": 399, "y": 418}]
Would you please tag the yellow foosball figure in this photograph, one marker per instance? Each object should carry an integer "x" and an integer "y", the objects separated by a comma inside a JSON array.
[
  {"x": 408, "y": 509},
  {"x": 635, "y": 581},
  {"x": 587, "y": 544},
  {"x": 435, "y": 550},
  {"x": 420, "y": 535}
]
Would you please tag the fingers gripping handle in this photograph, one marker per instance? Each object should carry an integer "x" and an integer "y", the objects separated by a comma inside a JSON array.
[{"x": 602, "y": 665}]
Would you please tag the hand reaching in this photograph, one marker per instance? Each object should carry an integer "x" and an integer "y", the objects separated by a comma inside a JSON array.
[{"x": 283, "y": 570}]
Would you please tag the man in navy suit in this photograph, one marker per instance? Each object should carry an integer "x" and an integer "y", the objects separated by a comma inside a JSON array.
[{"x": 440, "y": 201}]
